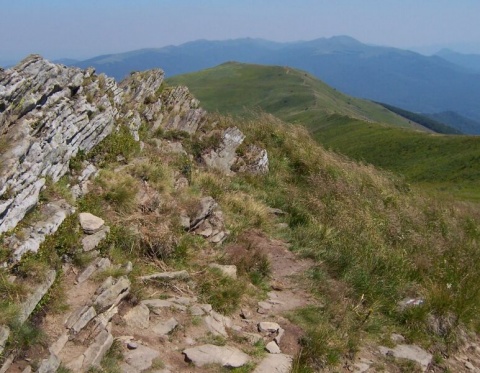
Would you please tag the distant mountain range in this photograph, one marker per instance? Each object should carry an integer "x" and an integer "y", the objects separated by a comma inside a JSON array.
[
  {"x": 470, "y": 62},
  {"x": 397, "y": 77}
]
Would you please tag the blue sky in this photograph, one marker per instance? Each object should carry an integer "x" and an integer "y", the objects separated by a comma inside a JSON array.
[{"x": 82, "y": 29}]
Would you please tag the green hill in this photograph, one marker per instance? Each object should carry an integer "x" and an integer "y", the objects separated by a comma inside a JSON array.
[
  {"x": 290, "y": 94},
  {"x": 344, "y": 124}
]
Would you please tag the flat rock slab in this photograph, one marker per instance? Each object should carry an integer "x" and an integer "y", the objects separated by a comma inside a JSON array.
[
  {"x": 278, "y": 363},
  {"x": 4, "y": 333},
  {"x": 90, "y": 223},
  {"x": 165, "y": 327},
  {"x": 226, "y": 356},
  {"x": 409, "y": 352},
  {"x": 138, "y": 317},
  {"x": 141, "y": 358}
]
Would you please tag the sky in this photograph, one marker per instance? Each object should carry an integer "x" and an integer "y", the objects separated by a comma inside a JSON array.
[{"x": 82, "y": 29}]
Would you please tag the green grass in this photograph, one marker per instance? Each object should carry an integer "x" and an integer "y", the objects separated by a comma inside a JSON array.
[
  {"x": 290, "y": 94},
  {"x": 435, "y": 162}
]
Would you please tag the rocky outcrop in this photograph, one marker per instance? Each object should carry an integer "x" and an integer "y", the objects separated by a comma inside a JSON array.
[
  {"x": 48, "y": 113},
  {"x": 149, "y": 100}
]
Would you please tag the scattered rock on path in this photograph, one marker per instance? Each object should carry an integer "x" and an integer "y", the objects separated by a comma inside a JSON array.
[
  {"x": 409, "y": 352},
  {"x": 226, "y": 356},
  {"x": 140, "y": 358},
  {"x": 275, "y": 363},
  {"x": 138, "y": 317},
  {"x": 165, "y": 327}
]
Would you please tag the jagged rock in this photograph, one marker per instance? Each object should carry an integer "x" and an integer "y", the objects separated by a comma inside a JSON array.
[
  {"x": 102, "y": 321},
  {"x": 51, "y": 112},
  {"x": 27, "y": 307},
  {"x": 79, "y": 190},
  {"x": 272, "y": 348},
  {"x": 409, "y": 352},
  {"x": 275, "y": 363},
  {"x": 227, "y": 270},
  {"x": 90, "y": 242},
  {"x": 113, "y": 294},
  {"x": 49, "y": 365},
  {"x": 138, "y": 317},
  {"x": 270, "y": 327},
  {"x": 98, "y": 265},
  {"x": 167, "y": 276},
  {"x": 205, "y": 208},
  {"x": 80, "y": 318},
  {"x": 140, "y": 358},
  {"x": 97, "y": 350},
  {"x": 223, "y": 157},
  {"x": 51, "y": 215},
  {"x": 165, "y": 327},
  {"x": 184, "y": 114},
  {"x": 254, "y": 160},
  {"x": 229, "y": 357},
  {"x": 90, "y": 223}
]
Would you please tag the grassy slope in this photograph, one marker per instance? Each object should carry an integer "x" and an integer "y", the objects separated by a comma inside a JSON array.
[
  {"x": 290, "y": 94},
  {"x": 437, "y": 162}
]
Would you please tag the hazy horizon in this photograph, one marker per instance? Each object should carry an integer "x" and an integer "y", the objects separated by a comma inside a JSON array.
[{"x": 80, "y": 30}]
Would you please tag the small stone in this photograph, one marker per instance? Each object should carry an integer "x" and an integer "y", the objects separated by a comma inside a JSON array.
[
  {"x": 90, "y": 223},
  {"x": 166, "y": 276},
  {"x": 273, "y": 348},
  {"x": 266, "y": 326},
  {"x": 132, "y": 345}
]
